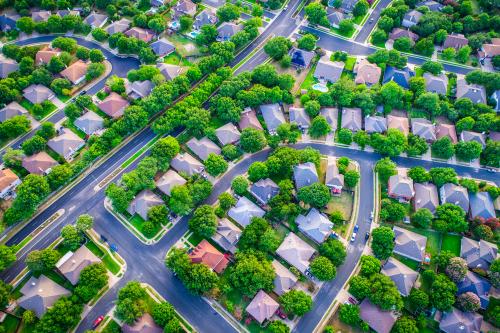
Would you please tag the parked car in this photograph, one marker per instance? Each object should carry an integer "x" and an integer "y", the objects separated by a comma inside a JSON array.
[
  {"x": 281, "y": 313},
  {"x": 367, "y": 235},
  {"x": 352, "y": 300},
  {"x": 97, "y": 322},
  {"x": 334, "y": 235},
  {"x": 356, "y": 228},
  {"x": 353, "y": 237}
]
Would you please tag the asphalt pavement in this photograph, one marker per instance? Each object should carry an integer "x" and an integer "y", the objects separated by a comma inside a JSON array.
[{"x": 371, "y": 22}]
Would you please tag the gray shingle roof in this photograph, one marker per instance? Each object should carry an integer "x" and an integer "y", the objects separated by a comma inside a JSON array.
[
  {"x": 7, "y": 66},
  {"x": 169, "y": 180},
  {"x": 228, "y": 29},
  {"x": 328, "y": 70},
  {"x": 66, "y": 144},
  {"x": 409, "y": 244},
  {"x": 333, "y": 178},
  {"x": 40, "y": 15},
  {"x": 455, "y": 41},
  {"x": 96, "y": 20},
  {"x": 143, "y": 202},
  {"x": 296, "y": 252},
  {"x": 380, "y": 321},
  {"x": 436, "y": 84},
  {"x": 478, "y": 254},
  {"x": 458, "y": 321},
  {"x": 474, "y": 92},
  {"x": 401, "y": 186},
  {"x": 228, "y": 134},
  {"x": 454, "y": 194},
  {"x": 203, "y": 147},
  {"x": 249, "y": 119},
  {"x": 403, "y": 276},
  {"x": 11, "y": 110},
  {"x": 227, "y": 235},
  {"x": 477, "y": 285},
  {"x": 481, "y": 205},
  {"x": 473, "y": 136},
  {"x": 375, "y": 124},
  {"x": 145, "y": 324},
  {"x": 89, "y": 123},
  {"x": 162, "y": 47},
  {"x": 334, "y": 16},
  {"x": 331, "y": 116},
  {"x": 118, "y": 26},
  {"x": 273, "y": 116},
  {"x": 424, "y": 129},
  {"x": 72, "y": 264},
  {"x": 205, "y": 17},
  {"x": 351, "y": 119},
  {"x": 187, "y": 164},
  {"x": 305, "y": 174},
  {"x": 264, "y": 190},
  {"x": 170, "y": 72},
  {"x": 244, "y": 211},
  {"x": 411, "y": 18},
  {"x": 139, "y": 89},
  {"x": 262, "y": 307},
  {"x": 300, "y": 117},
  {"x": 426, "y": 196},
  {"x": 301, "y": 58},
  {"x": 40, "y": 294},
  {"x": 284, "y": 280},
  {"x": 37, "y": 93},
  {"x": 315, "y": 225}
]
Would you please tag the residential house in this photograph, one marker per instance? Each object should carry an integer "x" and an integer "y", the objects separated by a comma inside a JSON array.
[
  {"x": 403, "y": 276},
  {"x": 249, "y": 119},
  {"x": 262, "y": 307},
  {"x": 380, "y": 321},
  {"x": 11, "y": 110},
  {"x": 96, "y": 20},
  {"x": 400, "y": 186},
  {"x": 7, "y": 66},
  {"x": 66, "y": 12},
  {"x": 296, "y": 252},
  {"x": 227, "y": 235},
  {"x": 432, "y": 5},
  {"x": 66, "y": 144},
  {"x": 467, "y": 136},
  {"x": 305, "y": 174},
  {"x": 121, "y": 25},
  {"x": 436, "y": 84},
  {"x": 331, "y": 116},
  {"x": 75, "y": 72},
  {"x": 39, "y": 294},
  {"x": 244, "y": 211},
  {"x": 140, "y": 33},
  {"x": 169, "y": 180},
  {"x": 397, "y": 33},
  {"x": 426, "y": 196},
  {"x": 411, "y": 18},
  {"x": 186, "y": 164},
  {"x": 273, "y": 116},
  {"x": 228, "y": 134},
  {"x": 206, "y": 253},
  {"x": 89, "y": 123},
  {"x": 409, "y": 244},
  {"x": 315, "y": 225},
  {"x": 114, "y": 105},
  {"x": 227, "y": 30},
  {"x": 284, "y": 280},
  {"x": 203, "y": 147},
  {"x": 334, "y": 16},
  {"x": 214, "y": 3},
  {"x": 301, "y": 58},
  {"x": 490, "y": 50},
  {"x": 455, "y": 41},
  {"x": 458, "y": 321},
  {"x": 8, "y": 183},
  {"x": 454, "y": 194},
  {"x": 496, "y": 97},
  {"x": 264, "y": 190},
  {"x": 366, "y": 72},
  {"x": 348, "y": 5},
  {"x": 375, "y": 124},
  {"x": 8, "y": 21},
  {"x": 351, "y": 119},
  {"x": 162, "y": 47},
  {"x": 139, "y": 89},
  {"x": 40, "y": 15},
  {"x": 184, "y": 7},
  {"x": 169, "y": 71},
  {"x": 143, "y": 202},
  {"x": 423, "y": 128},
  {"x": 72, "y": 263},
  {"x": 327, "y": 70},
  {"x": 145, "y": 324},
  {"x": 37, "y": 93},
  {"x": 478, "y": 254},
  {"x": 494, "y": 136},
  {"x": 44, "y": 55},
  {"x": 299, "y": 117},
  {"x": 474, "y": 92},
  {"x": 399, "y": 123},
  {"x": 39, "y": 164},
  {"x": 481, "y": 205},
  {"x": 400, "y": 76},
  {"x": 475, "y": 284},
  {"x": 446, "y": 130},
  {"x": 333, "y": 179},
  {"x": 157, "y": 3},
  {"x": 207, "y": 16}
]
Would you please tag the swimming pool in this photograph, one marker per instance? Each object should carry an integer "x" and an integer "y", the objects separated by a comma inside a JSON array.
[
  {"x": 193, "y": 34},
  {"x": 320, "y": 87},
  {"x": 174, "y": 25}
]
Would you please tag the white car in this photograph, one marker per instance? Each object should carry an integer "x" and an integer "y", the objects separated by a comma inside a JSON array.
[
  {"x": 353, "y": 237},
  {"x": 285, "y": 8}
]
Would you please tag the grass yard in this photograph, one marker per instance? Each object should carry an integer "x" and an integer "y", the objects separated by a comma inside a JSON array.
[
  {"x": 408, "y": 262},
  {"x": 349, "y": 63},
  {"x": 69, "y": 124},
  {"x": 138, "y": 221},
  {"x": 194, "y": 239},
  {"x": 49, "y": 108},
  {"x": 345, "y": 34},
  {"x": 111, "y": 327},
  {"x": 183, "y": 45},
  {"x": 11, "y": 323},
  {"x": 451, "y": 243},
  {"x": 310, "y": 80},
  {"x": 433, "y": 240},
  {"x": 106, "y": 258},
  {"x": 342, "y": 203},
  {"x": 175, "y": 59}
]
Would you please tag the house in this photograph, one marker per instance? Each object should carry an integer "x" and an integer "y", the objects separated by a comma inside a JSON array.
[
  {"x": 296, "y": 252},
  {"x": 39, "y": 164},
  {"x": 227, "y": 30},
  {"x": 114, "y": 105},
  {"x": 140, "y": 33},
  {"x": 143, "y": 202},
  {"x": 228, "y": 134},
  {"x": 446, "y": 130},
  {"x": 331, "y": 116},
  {"x": 227, "y": 235},
  {"x": 399, "y": 123},
  {"x": 400, "y": 76},
  {"x": 144, "y": 324},
  {"x": 11, "y": 110},
  {"x": 184, "y": 7},
  {"x": 206, "y": 253},
  {"x": 315, "y": 225},
  {"x": 244, "y": 211},
  {"x": 496, "y": 97},
  {"x": 423, "y": 128},
  {"x": 458, "y": 321},
  {"x": 467, "y": 136},
  {"x": 299, "y": 117},
  {"x": 284, "y": 280},
  {"x": 301, "y": 58},
  {"x": 348, "y": 5},
  {"x": 44, "y": 55},
  {"x": 305, "y": 174},
  {"x": 96, "y": 20},
  {"x": 426, "y": 196},
  {"x": 327, "y": 70},
  {"x": 366, "y": 72},
  {"x": 66, "y": 12},
  {"x": 162, "y": 47},
  {"x": 397, "y": 33},
  {"x": 170, "y": 72},
  {"x": 207, "y": 16},
  {"x": 474, "y": 92},
  {"x": 333, "y": 179},
  {"x": 273, "y": 116},
  {"x": 8, "y": 183},
  {"x": 139, "y": 89},
  {"x": 375, "y": 124},
  {"x": 351, "y": 119},
  {"x": 490, "y": 50},
  {"x": 7, "y": 66},
  {"x": 72, "y": 263},
  {"x": 121, "y": 25},
  {"x": 264, "y": 190},
  {"x": 203, "y": 147},
  {"x": 39, "y": 294},
  {"x": 40, "y": 15},
  {"x": 494, "y": 136},
  {"x": 214, "y": 3},
  {"x": 262, "y": 307},
  {"x": 187, "y": 164},
  {"x": 249, "y": 119},
  {"x": 403, "y": 276},
  {"x": 334, "y": 16},
  {"x": 37, "y": 93},
  {"x": 481, "y": 205},
  {"x": 66, "y": 144},
  {"x": 478, "y": 254},
  {"x": 436, "y": 84},
  {"x": 432, "y": 5},
  {"x": 409, "y": 244},
  {"x": 475, "y": 284},
  {"x": 400, "y": 186},
  {"x": 75, "y": 72},
  {"x": 411, "y": 18},
  {"x": 8, "y": 21},
  {"x": 169, "y": 180},
  {"x": 380, "y": 321},
  {"x": 89, "y": 123},
  {"x": 454, "y": 194},
  {"x": 455, "y": 41},
  {"x": 157, "y": 3}
]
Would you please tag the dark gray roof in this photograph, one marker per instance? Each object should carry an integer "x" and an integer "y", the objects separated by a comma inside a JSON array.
[
  {"x": 380, "y": 321},
  {"x": 351, "y": 119},
  {"x": 437, "y": 84},
  {"x": 139, "y": 89},
  {"x": 478, "y": 254},
  {"x": 411, "y": 18},
  {"x": 284, "y": 280},
  {"x": 227, "y": 235},
  {"x": 477, "y": 285},
  {"x": 328, "y": 70},
  {"x": 424, "y": 129},
  {"x": 334, "y": 16},
  {"x": 162, "y": 47},
  {"x": 409, "y": 244},
  {"x": 40, "y": 294},
  {"x": 305, "y": 174},
  {"x": 474, "y": 92},
  {"x": 300, "y": 117},
  {"x": 403, "y": 276},
  {"x": 227, "y": 134},
  {"x": 454, "y": 194},
  {"x": 315, "y": 225},
  {"x": 244, "y": 211},
  {"x": 89, "y": 123},
  {"x": 473, "y": 136},
  {"x": 143, "y": 202},
  {"x": 118, "y": 26},
  {"x": 96, "y": 20},
  {"x": 375, "y": 124},
  {"x": 348, "y": 5},
  {"x": 331, "y": 116},
  {"x": 481, "y": 205},
  {"x": 426, "y": 196},
  {"x": 457, "y": 321},
  {"x": 400, "y": 76},
  {"x": 205, "y": 17},
  {"x": 203, "y": 147},
  {"x": 273, "y": 116},
  {"x": 169, "y": 71},
  {"x": 227, "y": 29},
  {"x": 301, "y": 58},
  {"x": 264, "y": 190}
]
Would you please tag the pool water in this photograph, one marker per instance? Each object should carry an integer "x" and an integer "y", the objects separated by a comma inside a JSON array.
[
  {"x": 193, "y": 34},
  {"x": 174, "y": 25},
  {"x": 320, "y": 87}
]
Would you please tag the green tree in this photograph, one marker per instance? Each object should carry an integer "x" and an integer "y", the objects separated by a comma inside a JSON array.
[
  {"x": 441, "y": 176},
  {"x": 158, "y": 215},
  {"x": 277, "y": 326},
  {"x": 296, "y": 302},
  {"x": 443, "y": 148},
  {"x": 164, "y": 150},
  {"x": 334, "y": 250},
  {"x": 382, "y": 242},
  {"x": 204, "y": 221},
  {"x": 322, "y": 268},
  {"x": 385, "y": 169},
  {"x": 228, "y": 12},
  {"x": 257, "y": 171},
  {"x": 456, "y": 269},
  {"x": 346, "y": 26},
  {"x": 215, "y": 164},
  {"x": 468, "y": 150},
  {"x": 307, "y": 42},
  {"x": 345, "y": 136},
  {"x": 316, "y": 13},
  {"x": 252, "y": 140},
  {"x": 7, "y": 256},
  {"x": 361, "y": 8},
  {"x": 319, "y": 127},
  {"x": 450, "y": 217},
  {"x": 463, "y": 54},
  {"x": 351, "y": 178},
  {"x": 13, "y": 158},
  {"x": 403, "y": 44},
  {"x": 59, "y": 176},
  {"x": 277, "y": 47},
  {"x": 349, "y": 314},
  {"x": 250, "y": 274},
  {"x": 162, "y": 313},
  {"x": 422, "y": 218},
  {"x": 84, "y": 222},
  {"x": 442, "y": 294},
  {"x": 181, "y": 201},
  {"x": 405, "y": 324},
  {"x": 186, "y": 23},
  {"x": 239, "y": 185},
  {"x": 316, "y": 195},
  {"x": 369, "y": 265},
  {"x": 71, "y": 237},
  {"x": 383, "y": 292},
  {"x": 418, "y": 300},
  {"x": 44, "y": 260},
  {"x": 419, "y": 174}
]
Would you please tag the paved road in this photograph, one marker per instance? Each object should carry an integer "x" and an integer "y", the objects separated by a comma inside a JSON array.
[{"x": 374, "y": 16}]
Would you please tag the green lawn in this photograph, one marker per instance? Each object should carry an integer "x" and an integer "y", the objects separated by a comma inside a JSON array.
[
  {"x": 106, "y": 258},
  {"x": 310, "y": 80},
  {"x": 408, "y": 262},
  {"x": 112, "y": 327},
  {"x": 349, "y": 63},
  {"x": 69, "y": 124},
  {"x": 10, "y": 324},
  {"x": 195, "y": 239},
  {"x": 342, "y": 203},
  {"x": 175, "y": 59},
  {"x": 345, "y": 34},
  {"x": 138, "y": 221},
  {"x": 46, "y": 110},
  {"x": 451, "y": 243},
  {"x": 433, "y": 240},
  {"x": 63, "y": 98}
]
